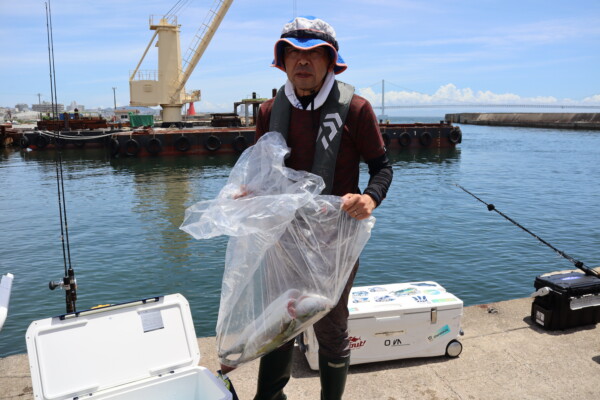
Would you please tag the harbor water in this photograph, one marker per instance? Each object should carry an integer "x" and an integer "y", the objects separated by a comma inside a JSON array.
[{"x": 124, "y": 216}]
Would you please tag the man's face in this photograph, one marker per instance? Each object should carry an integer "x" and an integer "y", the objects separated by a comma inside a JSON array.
[{"x": 306, "y": 69}]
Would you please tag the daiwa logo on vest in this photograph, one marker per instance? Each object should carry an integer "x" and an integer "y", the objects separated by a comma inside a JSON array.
[{"x": 333, "y": 122}]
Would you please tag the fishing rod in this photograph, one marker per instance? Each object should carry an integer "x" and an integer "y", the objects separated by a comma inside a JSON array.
[
  {"x": 576, "y": 263},
  {"x": 68, "y": 283}
]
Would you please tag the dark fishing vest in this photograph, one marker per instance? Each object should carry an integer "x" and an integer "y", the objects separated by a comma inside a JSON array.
[{"x": 333, "y": 116}]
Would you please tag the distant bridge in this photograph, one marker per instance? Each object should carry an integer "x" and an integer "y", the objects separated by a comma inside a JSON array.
[{"x": 383, "y": 106}]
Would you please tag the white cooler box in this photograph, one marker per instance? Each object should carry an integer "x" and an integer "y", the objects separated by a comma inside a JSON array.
[
  {"x": 403, "y": 320},
  {"x": 145, "y": 349}
]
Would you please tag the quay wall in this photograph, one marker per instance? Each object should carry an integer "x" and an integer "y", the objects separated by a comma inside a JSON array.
[
  {"x": 505, "y": 356},
  {"x": 532, "y": 120}
]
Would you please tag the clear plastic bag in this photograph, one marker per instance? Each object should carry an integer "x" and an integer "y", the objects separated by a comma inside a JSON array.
[{"x": 289, "y": 255}]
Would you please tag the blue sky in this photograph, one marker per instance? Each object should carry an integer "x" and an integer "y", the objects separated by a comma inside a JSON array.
[{"x": 427, "y": 51}]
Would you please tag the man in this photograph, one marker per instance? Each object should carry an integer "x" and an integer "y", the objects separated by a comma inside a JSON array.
[{"x": 329, "y": 129}]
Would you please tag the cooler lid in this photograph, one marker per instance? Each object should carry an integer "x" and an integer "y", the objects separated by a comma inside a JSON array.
[
  {"x": 400, "y": 297},
  {"x": 89, "y": 351},
  {"x": 572, "y": 283}
]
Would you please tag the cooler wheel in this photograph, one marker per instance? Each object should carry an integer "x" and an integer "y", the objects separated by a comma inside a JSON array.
[{"x": 454, "y": 348}]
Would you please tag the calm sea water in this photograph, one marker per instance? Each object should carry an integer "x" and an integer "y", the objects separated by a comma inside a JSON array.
[{"x": 124, "y": 216}]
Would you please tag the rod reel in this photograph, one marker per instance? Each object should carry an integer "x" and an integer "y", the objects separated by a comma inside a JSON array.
[{"x": 69, "y": 284}]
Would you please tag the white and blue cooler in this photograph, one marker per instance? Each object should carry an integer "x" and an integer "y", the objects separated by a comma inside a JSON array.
[{"x": 396, "y": 321}]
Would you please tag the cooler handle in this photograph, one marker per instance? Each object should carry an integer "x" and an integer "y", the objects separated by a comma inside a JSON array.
[
  {"x": 388, "y": 319},
  {"x": 541, "y": 292}
]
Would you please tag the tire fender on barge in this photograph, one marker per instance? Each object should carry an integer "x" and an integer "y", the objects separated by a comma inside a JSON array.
[
  {"x": 182, "y": 144},
  {"x": 404, "y": 139},
  {"x": 132, "y": 147},
  {"x": 154, "y": 146},
  {"x": 425, "y": 139},
  {"x": 114, "y": 146},
  {"x": 212, "y": 143},
  {"x": 240, "y": 144},
  {"x": 41, "y": 141}
]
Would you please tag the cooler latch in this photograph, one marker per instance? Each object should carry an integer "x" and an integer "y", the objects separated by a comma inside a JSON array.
[{"x": 434, "y": 315}]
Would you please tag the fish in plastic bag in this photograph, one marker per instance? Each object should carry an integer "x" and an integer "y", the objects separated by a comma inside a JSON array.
[
  {"x": 276, "y": 324},
  {"x": 290, "y": 252}
]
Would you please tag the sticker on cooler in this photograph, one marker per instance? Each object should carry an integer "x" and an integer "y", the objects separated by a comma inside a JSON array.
[
  {"x": 384, "y": 298},
  {"x": 445, "y": 300},
  {"x": 406, "y": 292},
  {"x": 356, "y": 342},
  {"x": 420, "y": 299},
  {"x": 441, "y": 332}
]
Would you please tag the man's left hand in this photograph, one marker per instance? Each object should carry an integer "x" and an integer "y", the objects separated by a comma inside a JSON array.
[{"x": 358, "y": 206}]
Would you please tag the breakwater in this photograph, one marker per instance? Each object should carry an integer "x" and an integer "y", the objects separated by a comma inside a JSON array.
[{"x": 531, "y": 120}]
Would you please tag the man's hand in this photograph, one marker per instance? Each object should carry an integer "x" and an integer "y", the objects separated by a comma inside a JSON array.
[{"x": 358, "y": 206}]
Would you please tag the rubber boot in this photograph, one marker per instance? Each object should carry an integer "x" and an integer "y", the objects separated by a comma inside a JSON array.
[
  {"x": 274, "y": 373},
  {"x": 333, "y": 373}
]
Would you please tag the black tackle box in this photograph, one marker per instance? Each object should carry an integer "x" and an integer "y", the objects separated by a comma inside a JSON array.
[{"x": 565, "y": 300}]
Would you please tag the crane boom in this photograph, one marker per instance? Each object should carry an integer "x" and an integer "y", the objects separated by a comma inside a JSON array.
[
  {"x": 202, "y": 39},
  {"x": 132, "y": 77}
]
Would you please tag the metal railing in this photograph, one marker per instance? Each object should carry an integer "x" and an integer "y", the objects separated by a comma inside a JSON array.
[
  {"x": 170, "y": 19},
  {"x": 145, "y": 75}
]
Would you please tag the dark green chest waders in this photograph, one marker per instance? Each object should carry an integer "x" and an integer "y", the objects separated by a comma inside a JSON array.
[{"x": 333, "y": 116}]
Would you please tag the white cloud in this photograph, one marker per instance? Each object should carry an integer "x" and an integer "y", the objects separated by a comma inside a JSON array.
[
  {"x": 592, "y": 99},
  {"x": 450, "y": 94}
]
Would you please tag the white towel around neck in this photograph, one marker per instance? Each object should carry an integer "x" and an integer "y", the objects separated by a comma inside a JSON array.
[{"x": 319, "y": 99}]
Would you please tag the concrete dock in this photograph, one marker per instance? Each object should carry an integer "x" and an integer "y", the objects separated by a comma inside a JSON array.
[
  {"x": 589, "y": 121},
  {"x": 505, "y": 356}
]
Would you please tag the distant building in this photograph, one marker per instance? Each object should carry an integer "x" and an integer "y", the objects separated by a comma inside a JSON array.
[
  {"x": 46, "y": 107},
  {"x": 74, "y": 106},
  {"x": 22, "y": 107}
]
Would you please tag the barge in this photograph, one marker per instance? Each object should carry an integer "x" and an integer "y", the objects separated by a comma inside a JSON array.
[{"x": 152, "y": 141}]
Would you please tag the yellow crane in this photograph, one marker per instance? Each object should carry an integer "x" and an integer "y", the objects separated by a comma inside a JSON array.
[{"x": 166, "y": 87}]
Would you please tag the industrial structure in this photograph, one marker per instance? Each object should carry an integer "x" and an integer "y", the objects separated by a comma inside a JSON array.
[{"x": 166, "y": 87}]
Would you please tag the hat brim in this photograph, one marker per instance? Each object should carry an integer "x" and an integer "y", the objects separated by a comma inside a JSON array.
[{"x": 306, "y": 44}]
